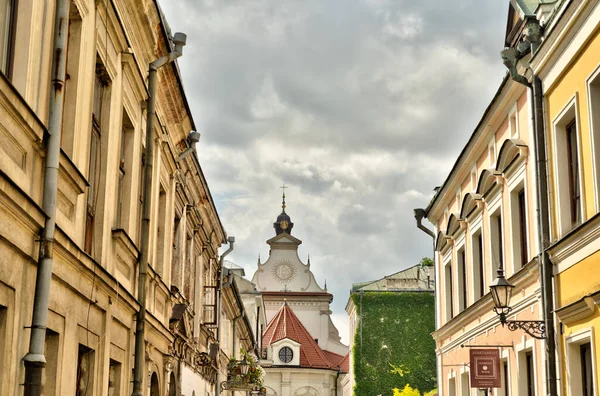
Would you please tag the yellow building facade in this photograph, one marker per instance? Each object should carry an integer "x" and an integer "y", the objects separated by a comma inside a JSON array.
[
  {"x": 568, "y": 64},
  {"x": 93, "y": 299}
]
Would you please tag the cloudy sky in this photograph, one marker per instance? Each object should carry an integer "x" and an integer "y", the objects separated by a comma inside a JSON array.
[{"x": 359, "y": 106}]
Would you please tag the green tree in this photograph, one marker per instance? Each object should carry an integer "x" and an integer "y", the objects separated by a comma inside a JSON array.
[{"x": 426, "y": 262}]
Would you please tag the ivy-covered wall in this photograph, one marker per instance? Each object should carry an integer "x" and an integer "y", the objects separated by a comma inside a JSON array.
[{"x": 393, "y": 346}]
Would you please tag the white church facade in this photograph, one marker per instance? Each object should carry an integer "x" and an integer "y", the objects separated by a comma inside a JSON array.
[{"x": 301, "y": 348}]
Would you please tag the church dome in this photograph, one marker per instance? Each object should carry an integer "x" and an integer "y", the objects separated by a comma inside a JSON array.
[{"x": 283, "y": 222}]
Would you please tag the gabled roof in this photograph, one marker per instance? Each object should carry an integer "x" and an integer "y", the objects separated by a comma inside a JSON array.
[
  {"x": 415, "y": 277},
  {"x": 285, "y": 324}
]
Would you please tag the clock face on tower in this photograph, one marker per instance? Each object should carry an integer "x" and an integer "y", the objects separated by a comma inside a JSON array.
[{"x": 284, "y": 271}]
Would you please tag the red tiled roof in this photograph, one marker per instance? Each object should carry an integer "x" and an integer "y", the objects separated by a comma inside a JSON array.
[
  {"x": 334, "y": 358},
  {"x": 345, "y": 364},
  {"x": 285, "y": 324}
]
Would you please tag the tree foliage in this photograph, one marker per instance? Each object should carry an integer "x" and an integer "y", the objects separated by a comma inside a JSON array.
[
  {"x": 394, "y": 347},
  {"x": 426, "y": 262}
]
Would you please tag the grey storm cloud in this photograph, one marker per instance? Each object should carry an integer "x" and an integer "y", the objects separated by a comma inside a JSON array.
[{"x": 359, "y": 106}]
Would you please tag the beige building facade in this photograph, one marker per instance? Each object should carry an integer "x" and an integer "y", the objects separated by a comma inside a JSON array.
[
  {"x": 90, "y": 331},
  {"x": 485, "y": 217}
]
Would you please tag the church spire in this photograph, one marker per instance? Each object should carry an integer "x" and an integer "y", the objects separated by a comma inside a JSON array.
[
  {"x": 284, "y": 222},
  {"x": 283, "y": 187}
]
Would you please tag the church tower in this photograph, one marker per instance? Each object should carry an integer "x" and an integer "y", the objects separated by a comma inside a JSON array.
[{"x": 284, "y": 279}]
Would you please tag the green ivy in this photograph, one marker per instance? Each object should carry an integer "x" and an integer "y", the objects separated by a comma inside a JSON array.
[{"x": 395, "y": 348}]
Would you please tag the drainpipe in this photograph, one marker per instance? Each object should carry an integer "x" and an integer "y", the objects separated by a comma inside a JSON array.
[
  {"x": 138, "y": 369},
  {"x": 419, "y": 216},
  {"x": 533, "y": 35},
  {"x": 231, "y": 241},
  {"x": 337, "y": 376},
  {"x": 34, "y": 360}
]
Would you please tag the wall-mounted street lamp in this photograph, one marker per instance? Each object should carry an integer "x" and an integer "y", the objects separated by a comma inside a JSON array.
[
  {"x": 501, "y": 290},
  {"x": 244, "y": 366}
]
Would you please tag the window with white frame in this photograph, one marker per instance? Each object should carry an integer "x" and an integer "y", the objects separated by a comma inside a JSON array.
[
  {"x": 504, "y": 390},
  {"x": 497, "y": 241},
  {"x": 518, "y": 212},
  {"x": 526, "y": 373},
  {"x": 566, "y": 144},
  {"x": 580, "y": 363},
  {"x": 462, "y": 279},
  {"x": 594, "y": 106},
  {"x": 452, "y": 387},
  {"x": 478, "y": 264},
  {"x": 465, "y": 386},
  {"x": 448, "y": 291}
]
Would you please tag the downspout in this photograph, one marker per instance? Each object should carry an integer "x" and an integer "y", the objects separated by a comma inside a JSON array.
[
  {"x": 337, "y": 376},
  {"x": 533, "y": 35},
  {"x": 257, "y": 344},
  {"x": 231, "y": 241},
  {"x": 138, "y": 368},
  {"x": 419, "y": 216},
  {"x": 34, "y": 360}
]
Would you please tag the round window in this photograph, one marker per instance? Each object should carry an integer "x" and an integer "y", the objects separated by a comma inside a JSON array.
[{"x": 286, "y": 355}]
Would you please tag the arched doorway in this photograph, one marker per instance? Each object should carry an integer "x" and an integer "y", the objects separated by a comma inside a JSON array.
[
  {"x": 154, "y": 389},
  {"x": 172, "y": 385}
]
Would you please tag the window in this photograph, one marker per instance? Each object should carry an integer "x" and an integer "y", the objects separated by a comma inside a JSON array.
[
  {"x": 566, "y": 168},
  {"x": 505, "y": 389},
  {"x": 51, "y": 350},
  {"x": 286, "y": 354},
  {"x": 587, "y": 374},
  {"x": 574, "y": 185},
  {"x": 187, "y": 267},
  {"x": 462, "y": 280},
  {"x": 99, "y": 104},
  {"x": 176, "y": 259},
  {"x": 530, "y": 375},
  {"x": 70, "y": 108},
  {"x": 7, "y": 32},
  {"x": 114, "y": 378},
  {"x": 465, "y": 386},
  {"x": 452, "y": 387},
  {"x": 594, "y": 101},
  {"x": 497, "y": 241},
  {"x": 161, "y": 234},
  {"x": 210, "y": 305},
  {"x": 125, "y": 173},
  {"x": 519, "y": 228},
  {"x": 3, "y": 357},
  {"x": 478, "y": 268},
  {"x": 85, "y": 371},
  {"x": 449, "y": 293}
]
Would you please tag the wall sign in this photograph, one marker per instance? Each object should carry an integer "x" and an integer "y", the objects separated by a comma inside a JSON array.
[{"x": 485, "y": 368}]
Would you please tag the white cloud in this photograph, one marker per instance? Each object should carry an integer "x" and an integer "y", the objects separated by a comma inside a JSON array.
[{"x": 361, "y": 107}]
